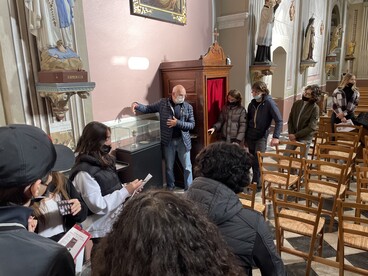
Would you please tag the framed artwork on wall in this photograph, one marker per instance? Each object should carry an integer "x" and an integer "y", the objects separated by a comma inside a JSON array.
[{"x": 174, "y": 11}]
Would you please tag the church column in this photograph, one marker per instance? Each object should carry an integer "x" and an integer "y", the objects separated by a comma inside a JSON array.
[{"x": 362, "y": 69}]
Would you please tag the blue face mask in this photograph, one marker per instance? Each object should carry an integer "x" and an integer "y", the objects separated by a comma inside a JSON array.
[{"x": 257, "y": 97}]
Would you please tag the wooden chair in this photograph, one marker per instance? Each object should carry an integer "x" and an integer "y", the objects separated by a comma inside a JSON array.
[
  {"x": 327, "y": 183},
  {"x": 334, "y": 152},
  {"x": 296, "y": 151},
  {"x": 302, "y": 217},
  {"x": 348, "y": 139},
  {"x": 362, "y": 185},
  {"x": 276, "y": 171},
  {"x": 320, "y": 136},
  {"x": 353, "y": 232},
  {"x": 248, "y": 197},
  {"x": 365, "y": 157}
]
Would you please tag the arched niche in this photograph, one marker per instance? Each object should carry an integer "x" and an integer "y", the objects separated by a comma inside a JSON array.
[
  {"x": 279, "y": 76},
  {"x": 278, "y": 83},
  {"x": 332, "y": 64}
]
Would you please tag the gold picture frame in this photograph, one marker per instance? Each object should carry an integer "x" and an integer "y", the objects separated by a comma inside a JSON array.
[{"x": 174, "y": 11}]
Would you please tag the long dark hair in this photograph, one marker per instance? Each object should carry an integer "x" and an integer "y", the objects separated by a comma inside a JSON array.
[
  {"x": 91, "y": 141},
  {"x": 226, "y": 163},
  {"x": 160, "y": 233}
]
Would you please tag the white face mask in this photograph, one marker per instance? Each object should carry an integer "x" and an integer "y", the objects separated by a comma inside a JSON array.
[
  {"x": 257, "y": 97},
  {"x": 179, "y": 99}
]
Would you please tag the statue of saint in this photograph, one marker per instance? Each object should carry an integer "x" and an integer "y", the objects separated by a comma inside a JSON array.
[
  {"x": 336, "y": 35},
  {"x": 351, "y": 48},
  {"x": 264, "y": 40},
  {"x": 308, "y": 45},
  {"x": 51, "y": 22}
]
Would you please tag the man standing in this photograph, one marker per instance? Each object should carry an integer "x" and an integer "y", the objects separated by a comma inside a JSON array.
[
  {"x": 27, "y": 156},
  {"x": 176, "y": 120},
  {"x": 261, "y": 111}
]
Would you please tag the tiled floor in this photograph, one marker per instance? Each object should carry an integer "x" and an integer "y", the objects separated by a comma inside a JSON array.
[{"x": 296, "y": 266}]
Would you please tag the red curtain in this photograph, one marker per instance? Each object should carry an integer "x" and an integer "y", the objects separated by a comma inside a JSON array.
[{"x": 215, "y": 99}]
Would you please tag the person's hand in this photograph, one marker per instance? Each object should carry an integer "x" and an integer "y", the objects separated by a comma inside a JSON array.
[
  {"x": 211, "y": 130},
  {"x": 274, "y": 142},
  {"x": 133, "y": 106},
  {"x": 292, "y": 137},
  {"x": 341, "y": 115},
  {"x": 134, "y": 185},
  {"x": 343, "y": 120},
  {"x": 32, "y": 224},
  {"x": 171, "y": 122},
  {"x": 235, "y": 143},
  {"x": 75, "y": 207}
]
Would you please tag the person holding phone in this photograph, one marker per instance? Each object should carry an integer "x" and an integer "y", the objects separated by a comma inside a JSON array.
[
  {"x": 60, "y": 205},
  {"x": 27, "y": 155},
  {"x": 95, "y": 178}
]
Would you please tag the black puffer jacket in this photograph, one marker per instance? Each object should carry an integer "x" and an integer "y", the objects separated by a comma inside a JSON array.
[
  {"x": 244, "y": 230},
  {"x": 232, "y": 123}
]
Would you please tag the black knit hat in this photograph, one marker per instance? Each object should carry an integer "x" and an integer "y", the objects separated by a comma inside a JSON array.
[{"x": 26, "y": 154}]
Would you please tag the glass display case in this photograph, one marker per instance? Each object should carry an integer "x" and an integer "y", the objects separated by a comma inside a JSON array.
[
  {"x": 138, "y": 146},
  {"x": 135, "y": 135}
]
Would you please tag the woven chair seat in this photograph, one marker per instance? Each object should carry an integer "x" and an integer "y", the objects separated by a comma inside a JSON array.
[
  {"x": 364, "y": 197},
  {"x": 325, "y": 190},
  {"x": 294, "y": 164},
  {"x": 275, "y": 179},
  {"x": 356, "y": 240},
  {"x": 259, "y": 207},
  {"x": 342, "y": 154},
  {"x": 297, "y": 226},
  {"x": 326, "y": 168}
]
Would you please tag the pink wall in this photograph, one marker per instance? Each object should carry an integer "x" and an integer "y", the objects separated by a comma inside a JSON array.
[{"x": 113, "y": 36}]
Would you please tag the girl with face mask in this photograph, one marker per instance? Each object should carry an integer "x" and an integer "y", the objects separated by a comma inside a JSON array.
[
  {"x": 345, "y": 100},
  {"x": 95, "y": 178},
  {"x": 232, "y": 120}
]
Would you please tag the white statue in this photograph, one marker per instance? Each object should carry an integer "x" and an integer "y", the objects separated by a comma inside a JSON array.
[{"x": 51, "y": 21}]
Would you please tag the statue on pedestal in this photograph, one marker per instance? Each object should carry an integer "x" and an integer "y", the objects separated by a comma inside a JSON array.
[
  {"x": 51, "y": 22},
  {"x": 336, "y": 35},
  {"x": 264, "y": 40},
  {"x": 308, "y": 45}
]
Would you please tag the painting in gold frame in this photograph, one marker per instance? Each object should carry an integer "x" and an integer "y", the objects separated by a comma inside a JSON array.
[{"x": 174, "y": 11}]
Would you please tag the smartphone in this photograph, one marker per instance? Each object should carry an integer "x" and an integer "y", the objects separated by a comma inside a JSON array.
[
  {"x": 64, "y": 207},
  {"x": 148, "y": 177}
]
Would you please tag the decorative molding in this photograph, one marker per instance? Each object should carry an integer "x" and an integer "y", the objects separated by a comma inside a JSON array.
[
  {"x": 259, "y": 71},
  {"x": 59, "y": 94},
  {"x": 232, "y": 21},
  {"x": 305, "y": 64}
]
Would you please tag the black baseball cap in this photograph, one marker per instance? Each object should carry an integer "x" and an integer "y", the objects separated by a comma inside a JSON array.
[
  {"x": 26, "y": 155},
  {"x": 65, "y": 158}
]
